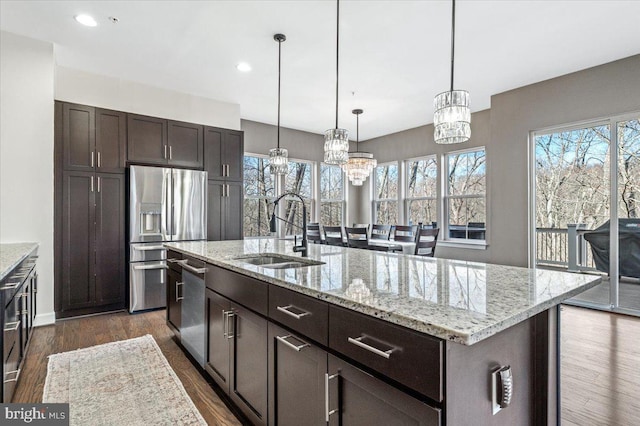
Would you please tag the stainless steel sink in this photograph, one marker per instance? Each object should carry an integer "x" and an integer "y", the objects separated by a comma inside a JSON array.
[{"x": 278, "y": 261}]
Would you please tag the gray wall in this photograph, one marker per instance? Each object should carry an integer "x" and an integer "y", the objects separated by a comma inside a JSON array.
[
  {"x": 597, "y": 92},
  {"x": 259, "y": 138}
]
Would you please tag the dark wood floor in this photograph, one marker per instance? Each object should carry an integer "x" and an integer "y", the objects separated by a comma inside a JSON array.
[
  {"x": 600, "y": 363},
  {"x": 89, "y": 331}
]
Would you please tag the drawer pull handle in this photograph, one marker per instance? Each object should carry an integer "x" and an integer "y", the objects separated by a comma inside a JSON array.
[
  {"x": 283, "y": 339},
  {"x": 230, "y": 324},
  {"x": 358, "y": 342},
  {"x": 327, "y": 411},
  {"x": 12, "y": 326},
  {"x": 146, "y": 248},
  {"x": 15, "y": 379},
  {"x": 149, "y": 267},
  {"x": 178, "y": 298},
  {"x": 10, "y": 286},
  {"x": 188, "y": 267},
  {"x": 172, "y": 260},
  {"x": 285, "y": 309}
]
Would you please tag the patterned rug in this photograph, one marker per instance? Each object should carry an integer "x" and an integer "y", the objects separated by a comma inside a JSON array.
[{"x": 127, "y": 383}]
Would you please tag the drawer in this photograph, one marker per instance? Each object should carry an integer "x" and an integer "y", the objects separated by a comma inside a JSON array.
[
  {"x": 244, "y": 290},
  {"x": 193, "y": 265},
  {"x": 171, "y": 257},
  {"x": 11, "y": 371},
  {"x": 301, "y": 313},
  {"x": 12, "y": 326},
  {"x": 411, "y": 358}
]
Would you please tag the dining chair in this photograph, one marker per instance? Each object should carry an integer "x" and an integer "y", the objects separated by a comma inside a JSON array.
[
  {"x": 426, "y": 240},
  {"x": 333, "y": 235},
  {"x": 357, "y": 237},
  {"x": 360, "y": 225},
  {"x": 313, "y": 233},
  {"x": 405, "y": 233},
  {"x": 380, "y": 232}
]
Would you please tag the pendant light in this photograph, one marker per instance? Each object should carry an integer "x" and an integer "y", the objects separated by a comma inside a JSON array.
[
  {"x": 452, "y": 116},
  {"x": 360, "y": 164},
  {"x": 336, "y": 141},
  {"x": 278, "y": 161}
]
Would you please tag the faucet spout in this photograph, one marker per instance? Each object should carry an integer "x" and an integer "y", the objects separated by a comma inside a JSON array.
[{"x": 303, "y": 247}]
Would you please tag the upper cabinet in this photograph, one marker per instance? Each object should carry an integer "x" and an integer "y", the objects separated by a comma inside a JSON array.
[
  {"x": 185, "y": 144},
  {"x": 147, "y": 140},
  {"x": 164, "y": 142},
  {"x": 223, "y": 153},
  {"x": 94, "y": 139}
]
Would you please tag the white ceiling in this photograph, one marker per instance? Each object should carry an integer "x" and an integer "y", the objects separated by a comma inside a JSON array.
[{"x": 394, "y": 55}]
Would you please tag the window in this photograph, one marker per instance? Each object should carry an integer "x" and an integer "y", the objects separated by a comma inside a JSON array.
[
  {"x": 421, "y": 195},
  {"x": 259, "y": 190},
  {"x": 298, "y": 179},
  {"x": 385, "y": 204},
  {"x": 465, "y": 199},
  {"x": 332, "y": 200}
]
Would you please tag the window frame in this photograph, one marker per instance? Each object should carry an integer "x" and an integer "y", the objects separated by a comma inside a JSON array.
[
  {"x": 399, "y": 192},
  {"x": 446, "y": 197},
  {"x": 244, "y": 193},
  {"x": 282, "y": 188},
  {"x": 342, "y": 201},
  {"x": 407, "y": 199}
]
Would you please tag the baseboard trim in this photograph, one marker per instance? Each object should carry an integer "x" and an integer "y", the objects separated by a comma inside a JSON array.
[{"x": 44, "y": 319}]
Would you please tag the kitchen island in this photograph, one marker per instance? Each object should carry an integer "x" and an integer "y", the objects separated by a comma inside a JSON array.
[{"x": 392, "y": 338}]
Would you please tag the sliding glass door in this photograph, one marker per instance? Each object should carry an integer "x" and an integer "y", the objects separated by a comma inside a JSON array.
[{"x": 587, "y": 207}]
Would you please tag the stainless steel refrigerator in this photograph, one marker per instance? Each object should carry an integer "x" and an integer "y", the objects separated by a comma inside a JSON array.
[{"x": 164, "y": 205}]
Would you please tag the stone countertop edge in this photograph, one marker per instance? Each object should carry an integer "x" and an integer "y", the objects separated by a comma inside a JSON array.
[
  {"x": 435, "y": 330},
  {"x": 11, "y": 254}
]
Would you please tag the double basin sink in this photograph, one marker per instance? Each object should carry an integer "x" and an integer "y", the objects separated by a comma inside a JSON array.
[{"x": 278, "y": 261}]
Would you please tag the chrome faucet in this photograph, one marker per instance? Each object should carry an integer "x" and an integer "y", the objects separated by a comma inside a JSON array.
[{"x": 303, "y": 248}]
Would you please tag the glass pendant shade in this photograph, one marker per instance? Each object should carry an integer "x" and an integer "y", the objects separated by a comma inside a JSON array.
[
  {"x": 336, "y": 146},
  {"x": 359, "y": 167},
  {"x": 278, "y": 161},
  {"x": 452, "y": 117}
]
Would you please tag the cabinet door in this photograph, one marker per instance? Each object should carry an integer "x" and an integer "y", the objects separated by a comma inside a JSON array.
[
  {"x": 78, "y": 237},
  {"x": 218, "y": 310},
  {"x": 214, "y": 210},
  {"x": 360, "y": 399},
  {"x": 231, "y": 213},
  {"x": 111, "y": 138},
  {"x": 296, "y": 387},
  {"x": 25, "y": 313},
  {"x": 232, "y": 154},
  {"x": 185, "y": 144},
  {"x": 110, "y": 244},
  {"x": 78, "y": 135},
  {"x": 213, "y": 139},
  {"x": 249, "y": 364},
  {"x": 146, "y": 140},
  {"x": 174, "y": 298}
]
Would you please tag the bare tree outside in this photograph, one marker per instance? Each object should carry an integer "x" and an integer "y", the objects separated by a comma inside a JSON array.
[
  {"x": 422, "y": 184},
  {"x": 297, "y": 180},
  {"x": 331, "y": 195},
  {"x": 466, "y": 194},
  {"x": 386, "y": 193},
  {"x": 259, "y": 190}
]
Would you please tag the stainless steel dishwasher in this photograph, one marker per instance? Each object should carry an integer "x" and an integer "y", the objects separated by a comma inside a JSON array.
[{"x": 192, "y": 330}]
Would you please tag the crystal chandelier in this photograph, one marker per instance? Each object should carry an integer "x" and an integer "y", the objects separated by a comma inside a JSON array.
[
  {"x": 278, "y": 162},
  {"x": 360, "y": 164},
  {"x": 336, "y": 141},
  {"x": 452, "y": 116}
]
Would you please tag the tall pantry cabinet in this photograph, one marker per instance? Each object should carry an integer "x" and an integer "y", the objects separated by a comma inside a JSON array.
[{"x": 90, "y": 209}]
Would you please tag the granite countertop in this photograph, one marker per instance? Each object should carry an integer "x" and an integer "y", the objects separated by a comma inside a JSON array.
[
  {"x": 463, "y": 302},
  {"x": 11, "y": 254}
]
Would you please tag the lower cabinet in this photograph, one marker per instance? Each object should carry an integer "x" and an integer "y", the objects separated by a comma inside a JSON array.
[
  {"x": 174, "y": 298},
  {"x": 357, "y": 398},
  {"x": 297, "y": 372},
  {"x": 239, "y": 337}
]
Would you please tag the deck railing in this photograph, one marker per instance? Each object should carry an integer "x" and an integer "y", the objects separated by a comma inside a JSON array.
[{"x": 564, "y": 247}]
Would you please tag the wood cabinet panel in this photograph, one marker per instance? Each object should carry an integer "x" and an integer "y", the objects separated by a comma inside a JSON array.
[
  {"x": 110, "y": 245},
  {"x": 244, "y": 290},
  {"x": 225, "y": 205},
  {"x": 213, "y": 140},
  {"x": 111, "y": 138},
  {"x": 358, "y": 336},
  {"x": 223, "y": 153},
  {"x": 218, "y": 349},
  {"x": 296, "y": 380},
  {"x": 146, "y": 140},
  {"x": 312, "y": 318},
  {"x": 78, "y": 236},
  {"x": 233, "y": 153},
  {"x": 214, "y": 210},
  {"x": 78, "y": 135},
  {"x": 185, "y": 144},
  {"x": 174, "y": 301}
]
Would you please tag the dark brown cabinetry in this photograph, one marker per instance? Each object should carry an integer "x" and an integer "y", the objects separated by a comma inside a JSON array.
[
  {"x": 174, "y": 290},
  {"x": 237, "y": 354},
  {"x": 224, "y": 210},
  {"x": 356, "y": 398},
  {"x": 94, "y": 139},
  {"x": 162, "y": 142},
  {"x": 223, "y": 153},
  {"x": 93, "y": 269},
  {"x": 297, "y": 371}
]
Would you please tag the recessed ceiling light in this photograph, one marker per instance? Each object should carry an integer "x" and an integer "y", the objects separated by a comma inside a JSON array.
[
  {"x": 86, "y": 20},
  {"x": 244, "y": 67}
]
